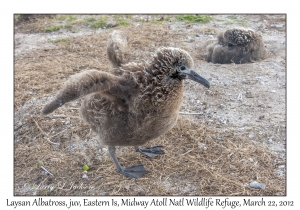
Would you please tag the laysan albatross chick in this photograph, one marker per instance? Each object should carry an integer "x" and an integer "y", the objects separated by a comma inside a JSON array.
[
  {"x": 237, "y": 46},
  {"x": 135, "y": 105}
]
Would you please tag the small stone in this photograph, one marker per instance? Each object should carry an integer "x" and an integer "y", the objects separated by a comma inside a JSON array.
[
  {"x": 141, "y": 192},
  {"x": 257, "y": 185},
  {"x": 277, "y": 25},
  {"x": 84, "y": 176},
  {"x": 249, "y": 95},
  {"x": 202, "y": 146},
  {"x": 31, "y": 93},
  {"x": 98, "y": 177},
  {"x": 221, "y": 106}
]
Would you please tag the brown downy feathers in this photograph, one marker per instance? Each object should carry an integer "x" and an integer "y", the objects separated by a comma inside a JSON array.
[{"x": 237, "y": 46}]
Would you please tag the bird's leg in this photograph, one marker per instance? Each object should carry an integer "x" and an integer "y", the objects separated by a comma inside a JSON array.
[
  {"x": 150, "y": 152},
  {"x": 135, "y": 171}
]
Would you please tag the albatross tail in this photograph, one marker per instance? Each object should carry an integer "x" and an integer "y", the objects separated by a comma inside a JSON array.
[{"x": 80, "y": 85}]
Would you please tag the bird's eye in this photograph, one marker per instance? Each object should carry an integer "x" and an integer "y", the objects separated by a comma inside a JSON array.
[{"x": 182, "y": 67}]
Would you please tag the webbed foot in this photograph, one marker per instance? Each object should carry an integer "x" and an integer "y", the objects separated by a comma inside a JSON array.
[
  {"x": 150, "y": 152},
  {"x": 135, "y": 171}
]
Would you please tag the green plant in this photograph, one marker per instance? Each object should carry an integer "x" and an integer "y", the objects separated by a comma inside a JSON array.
[
  {"x": 229, "y": 22},
  {"x": 167, "y": 18},
  {"x": 194, "y": 18},
  {"x": 232, "y": 17},
  {"x": 71, "y": 18},
  {"x": 63, "y": 40},
  {"x": 100, "y": 23},
  {"x": 62, "y": 17},
  {"x": 91, "y": 19},
  {"x": 53, "y": 28},
  {"x": 241, "y": 22},
  {"x": 46, "y": 192},
  {"x": 128, "y": 15},
  {"x": 156, "y": 22},
  {"x": 85, "y": 168},
  {"x": 123, "y": 22}
]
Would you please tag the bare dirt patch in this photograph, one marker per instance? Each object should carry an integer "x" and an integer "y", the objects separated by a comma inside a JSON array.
[{"x": 245, "y": 107}]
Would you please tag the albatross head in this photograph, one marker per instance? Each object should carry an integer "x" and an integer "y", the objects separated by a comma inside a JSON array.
[{"x": 178, "y": 64}]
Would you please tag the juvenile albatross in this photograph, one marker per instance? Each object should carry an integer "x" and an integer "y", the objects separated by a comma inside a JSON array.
[
  {"x": 238, "y": 46},
  {"x": 136, "y": 104}
]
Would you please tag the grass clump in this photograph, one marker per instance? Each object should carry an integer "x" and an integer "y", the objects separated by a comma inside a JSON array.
[
  {"x": 229, "y": 22},
  {"x": 123, "y": 22},
  {"x": 71, "y": 18},
  {"x": 101, "y": 23},
  {"x": 232, "y": 17},
  {"x": 62, "y": 17},
  {"x": 62, "y": 40},
  {"x": 194, "y": 18},
  {"x": 68, "y": 18},
  {"x": 128, "y": 16},
  {"x": 91, "y": 19},
  {"x": 167, "y": 18},
  {"x": 52, "y": 28}
]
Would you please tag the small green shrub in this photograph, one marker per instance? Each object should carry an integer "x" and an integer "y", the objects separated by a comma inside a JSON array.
[
  {"x": 128, "y": 16},
  {"x": 63, "y": 40},
  {"x": 52, "y": 28},
  {"x": 194, "y": 18},
  {"x": 100, "y": 23},
  {"x": 62, "y": 17},
  {"x": 71, "y": 18},
  {"x": 123, "y": 22},
  {"x": 91, "y": 19},
  {"x": 85, "y": 168},
  {"x": 232, "y": 17}
]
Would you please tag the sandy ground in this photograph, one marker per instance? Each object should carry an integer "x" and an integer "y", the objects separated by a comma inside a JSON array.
[{"x": 245, "y": 106}]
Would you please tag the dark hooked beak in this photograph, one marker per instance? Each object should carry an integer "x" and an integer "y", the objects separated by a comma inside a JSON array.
[{"x": 190, "y": 74}]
